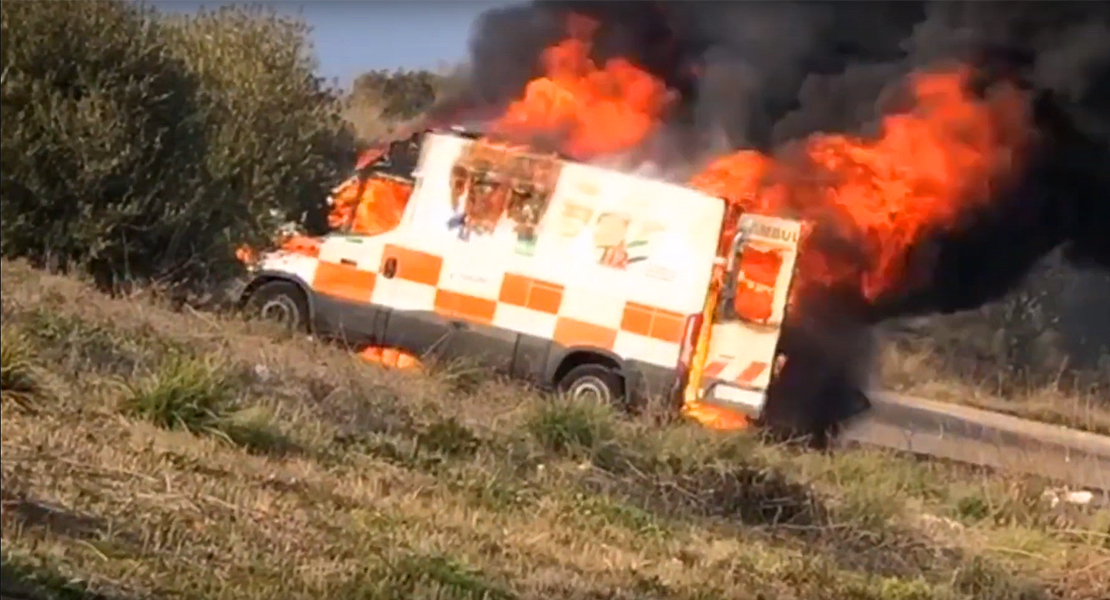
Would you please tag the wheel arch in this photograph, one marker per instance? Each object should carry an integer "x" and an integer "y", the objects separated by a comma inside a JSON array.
[{"x": 576, "y": 356}]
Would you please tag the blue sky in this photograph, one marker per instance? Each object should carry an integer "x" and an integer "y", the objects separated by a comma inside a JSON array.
[{"x": 360, "y": 35}]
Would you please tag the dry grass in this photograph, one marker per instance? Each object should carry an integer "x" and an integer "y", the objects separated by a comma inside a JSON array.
[
  {"x": 176, "y": 455},
  {"x": 1041, "y": 352},
  {"x": 929, "y": 373}
]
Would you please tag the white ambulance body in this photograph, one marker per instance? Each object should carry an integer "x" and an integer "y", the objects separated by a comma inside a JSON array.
[{"x": 599, "y": 288}]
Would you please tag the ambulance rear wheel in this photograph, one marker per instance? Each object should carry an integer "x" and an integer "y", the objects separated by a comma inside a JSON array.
[
  {"x": 280, "y": 302},
  {"x": 593, "y": 383}
]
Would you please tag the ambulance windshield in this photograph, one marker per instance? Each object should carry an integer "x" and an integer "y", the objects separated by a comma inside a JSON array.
[{"x": 373, "y": 199}]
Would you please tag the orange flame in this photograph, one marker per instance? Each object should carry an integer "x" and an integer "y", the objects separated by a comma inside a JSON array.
[
  {"x": 361, "y": 207},
  {"x": 295, "y": 243},
  {"x": 302, "y": 244},
  {"x": 587, "y": 110},
  {"x": 391, "y": 357},
  {"x": 927, "y": 167},
  {"x": 759, "y": 271},
  {"x": 370, "y": 206}
]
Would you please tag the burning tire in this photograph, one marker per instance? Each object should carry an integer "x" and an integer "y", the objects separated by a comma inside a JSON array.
[{"x": 280, "y": 302}]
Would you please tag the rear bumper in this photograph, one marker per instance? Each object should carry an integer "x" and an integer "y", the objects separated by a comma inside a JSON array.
[{"x": 747, "y": 401}]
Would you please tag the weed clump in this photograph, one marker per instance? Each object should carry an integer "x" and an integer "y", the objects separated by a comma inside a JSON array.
[
  {"x": 565, "y": 427},
  {"x": 256, "y": 428},
  {"x": 184, "y": 393},
  {"x": 450, "y": 438},
  {"x": 201, "y": 396},
  {"x": 19, "y": 381}
]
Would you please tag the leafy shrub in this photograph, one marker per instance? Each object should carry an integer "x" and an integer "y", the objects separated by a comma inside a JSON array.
[
  {"x": 276, "y": 136},
  {"x": 97, "y": 142},
  {"x": 139, "y": 146},
  {"x": 404, "y": 94}
]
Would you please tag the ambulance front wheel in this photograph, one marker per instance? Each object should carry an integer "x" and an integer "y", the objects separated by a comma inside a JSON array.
[
  {"x": 280, "y": 302},
  {"x": 593, "y": 383}
]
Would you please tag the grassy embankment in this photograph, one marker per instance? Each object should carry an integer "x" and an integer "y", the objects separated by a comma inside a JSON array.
[{"x": 148, "y": 453}]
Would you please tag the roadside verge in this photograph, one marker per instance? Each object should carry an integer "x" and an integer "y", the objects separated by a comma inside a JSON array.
[{"x": 980, "y": 437}]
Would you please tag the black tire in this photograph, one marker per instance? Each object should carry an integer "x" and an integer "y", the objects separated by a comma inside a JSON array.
[
  {"x": 596, "y": 382},
  {"x": 282, "y": 302}
]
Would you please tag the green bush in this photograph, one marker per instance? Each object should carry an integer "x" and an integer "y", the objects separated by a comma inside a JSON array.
[
  {"x": 382, "y": 102},
  {"x": 402, "y": 94},
  {"x": 277, "y": 140},
  {"x": 140, "y": 146}
]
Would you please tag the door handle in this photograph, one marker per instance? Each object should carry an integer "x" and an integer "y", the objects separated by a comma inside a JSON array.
[
  {"x": 389, "y": 268},
  {"x": 348, "y": 261}
]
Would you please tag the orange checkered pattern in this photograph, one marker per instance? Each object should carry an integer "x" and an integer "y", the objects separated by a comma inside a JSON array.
[{"x": 568, "y": 316}]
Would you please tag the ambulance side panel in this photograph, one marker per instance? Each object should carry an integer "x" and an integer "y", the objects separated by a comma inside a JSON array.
[{"x": 615, "y": 267}]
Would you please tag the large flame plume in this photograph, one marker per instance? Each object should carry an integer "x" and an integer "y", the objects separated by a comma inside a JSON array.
[
  {"x": 583, "y": 109},
  {"x": 927, "y": 167},
  {"x": 872, "y": 199}
]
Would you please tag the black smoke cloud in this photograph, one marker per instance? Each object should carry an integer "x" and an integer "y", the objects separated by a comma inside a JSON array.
[
  {"x": 761, "y": 74},
  {"x": 1060, "y": 52}
]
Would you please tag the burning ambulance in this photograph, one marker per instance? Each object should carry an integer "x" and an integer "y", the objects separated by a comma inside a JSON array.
[{"x": 589, "y": 281}]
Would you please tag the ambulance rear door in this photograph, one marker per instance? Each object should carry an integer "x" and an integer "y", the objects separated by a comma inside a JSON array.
[{"x": 751, "y": 308}]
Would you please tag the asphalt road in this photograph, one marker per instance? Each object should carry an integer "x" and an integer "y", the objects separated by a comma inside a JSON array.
[{"x": 1076, "y": 458}]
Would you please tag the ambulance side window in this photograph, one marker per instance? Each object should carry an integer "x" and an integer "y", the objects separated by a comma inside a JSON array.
[
  {"x": 492, "y": 196},
  {"x": 487, "y": 200},
  {"x": 527, "y": 206}
]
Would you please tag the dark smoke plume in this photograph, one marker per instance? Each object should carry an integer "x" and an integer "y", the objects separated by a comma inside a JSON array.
[{"x": 761, "y": 74}]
